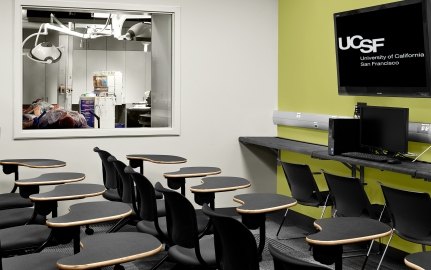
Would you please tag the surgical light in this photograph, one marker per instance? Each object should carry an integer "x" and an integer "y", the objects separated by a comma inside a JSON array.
[
  {"x": 45, "y": 52},
  {"x": 139, "y": 31}
]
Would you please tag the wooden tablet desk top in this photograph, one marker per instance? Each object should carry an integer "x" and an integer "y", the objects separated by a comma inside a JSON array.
[
  {"x": 220, "y": 184},
  {"x": 258, "y": 203},
  {"x": 189, "y": 172},
  {"x": 69, "y": 192},
  {"x": 419, "y": 261},
  {"x": 347, "y": 230},
  {"x": 110, "y": 249},
  {"x": 160, "y": 159},
  {"x": 51, "y": 179},
  {"x": 90, "y": 213},
  {"x": 34, "y": 163}
]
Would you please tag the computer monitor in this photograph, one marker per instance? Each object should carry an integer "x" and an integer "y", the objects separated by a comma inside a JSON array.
[{"x": 384, "y": 129}]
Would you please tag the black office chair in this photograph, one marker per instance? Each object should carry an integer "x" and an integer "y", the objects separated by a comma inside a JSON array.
[
  {"x": 150, "y": 222},
  {"x": 18, "y": 217},
  {"x": 235, "y": 245},
  {"x": 110, "y": 179},
  {"x": 24, "y": 239},
  {"x": 126, "y": 192},
  {"x": 410, "y": 212},
  {"x": 129, "y": 195},
  {"x": 14, "y": 200},
  {"x": 14, "y": 209},
  {"x": 37, "y": 261},
  {"x": 350, "y": 199},
  {"x": 188, "y": 249},
  {"x": 147, "y": 207},
  {"x": 303, "y": 187},
  {"x": 284, "y": 261}
]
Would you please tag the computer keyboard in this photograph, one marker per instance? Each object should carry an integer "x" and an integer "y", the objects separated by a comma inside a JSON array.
[{"x": 366, "y": 156}]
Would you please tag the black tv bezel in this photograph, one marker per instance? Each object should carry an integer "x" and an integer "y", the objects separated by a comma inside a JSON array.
[
  {"x": 405, "y": 113},
  {"x": 390, "y": 91}
]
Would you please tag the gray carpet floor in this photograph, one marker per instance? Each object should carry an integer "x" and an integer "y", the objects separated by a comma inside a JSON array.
[{"x": 296, "y": 247}]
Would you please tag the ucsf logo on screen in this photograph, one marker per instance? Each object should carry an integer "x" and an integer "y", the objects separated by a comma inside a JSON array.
[{"x": 358, "y": 42}]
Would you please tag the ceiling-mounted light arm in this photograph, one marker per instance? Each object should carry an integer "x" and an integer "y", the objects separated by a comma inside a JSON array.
[
  {"x": 46, "y": 52},
  {"x": 118, "y": 22},
  {"x": 55, "y": 20},
  {"x": 43, "y": 30}
]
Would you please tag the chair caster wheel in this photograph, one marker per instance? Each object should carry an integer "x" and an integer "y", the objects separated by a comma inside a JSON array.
[
  {"x": 118, "y": 267},
  {"x": 89, "y": 231}
]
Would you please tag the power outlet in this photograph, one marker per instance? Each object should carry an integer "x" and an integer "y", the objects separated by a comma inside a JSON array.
[
  {"x": 424, "y": 128},
  {"x": 358, "y": 106}
]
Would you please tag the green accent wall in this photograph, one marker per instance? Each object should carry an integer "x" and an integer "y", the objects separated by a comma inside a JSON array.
[{"x": 307, "y": 82}]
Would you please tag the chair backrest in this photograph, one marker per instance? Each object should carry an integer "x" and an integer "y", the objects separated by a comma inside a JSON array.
[
  {"x": 410, "y": 211},
  {"x": 235, "y": 245},
  {"x": 108, "y": 170},
  {"x": 180, "y": 219},
  {"x": 348, "y": 195},
  {"x": 302, "y": 183},
  {"x": 125, "y": 186},
  {"x": 147, "y": 205},
  {"x": 284, "y": 261}
]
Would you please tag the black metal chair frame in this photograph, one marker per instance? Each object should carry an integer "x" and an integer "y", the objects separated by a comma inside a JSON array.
[
  {"x": 410, "y": 214},
  {"x": 354, "y": 203},
  {"x": 308, "y": 194},
  {"x": 358, "y": 204},
  {"x": 109, "y": 174}
]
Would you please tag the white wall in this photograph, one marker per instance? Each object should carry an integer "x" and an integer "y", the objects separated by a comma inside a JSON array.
[{"x": 228, "y": 89}]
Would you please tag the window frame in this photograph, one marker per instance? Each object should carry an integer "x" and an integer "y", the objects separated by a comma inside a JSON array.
[{"x": 20, "y": 133}]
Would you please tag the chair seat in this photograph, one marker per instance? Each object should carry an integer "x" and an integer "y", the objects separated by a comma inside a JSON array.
[
  {"x": 38, "y": 261},
  {"x": 25, "y": 236},
  {"x": 15, "y": 217},
  {"x": 161, "y": 211},
  {"x": 146, "y": 226},
  {"x": 423, "y": 240},
  {"x": 13, "y": 200},
  {"x": 187, "y": 256},
  {"x": 284, "y": 260},
  {"x": 315, "y": 202},
  {"x": 111, "y": 195}
]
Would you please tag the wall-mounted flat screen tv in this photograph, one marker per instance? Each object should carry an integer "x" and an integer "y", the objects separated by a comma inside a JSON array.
[{"x": 384, "y": 50}]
